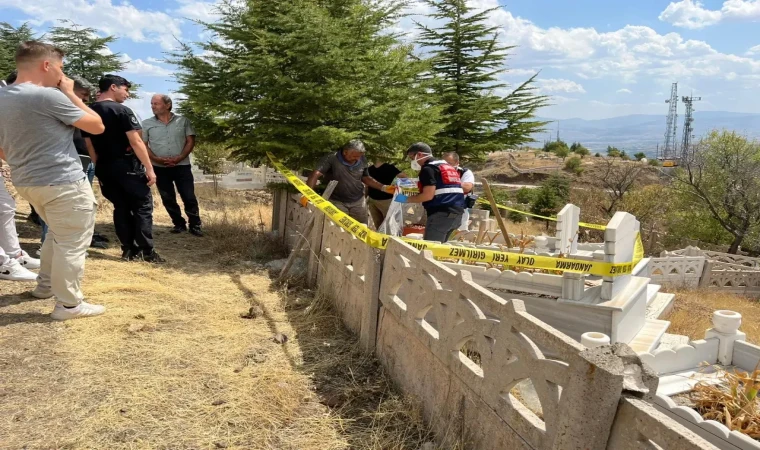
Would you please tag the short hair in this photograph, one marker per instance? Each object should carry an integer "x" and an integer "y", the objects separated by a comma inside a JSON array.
[
  {"x": 12, "y": 77},
  {"x": 452, "y": 155},
  {"x": 109, "y": 80},
  {"x": 167, "y": 100},
  {"x": 30, "y": 51},
  {"x": 355, "y": 144},
  {"x": 80, "y": 84},
  {"x": 419, "y": 147}
]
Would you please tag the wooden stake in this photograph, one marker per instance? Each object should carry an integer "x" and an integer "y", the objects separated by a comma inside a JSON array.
[
  {"x": 497, "y": 212},
  {"x": 304, "y": 239}
]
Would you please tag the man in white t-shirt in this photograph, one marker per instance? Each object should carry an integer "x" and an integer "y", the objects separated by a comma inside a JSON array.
[
  {"x": 14, "y": 262},
  {"x": 468, "y": 183}
]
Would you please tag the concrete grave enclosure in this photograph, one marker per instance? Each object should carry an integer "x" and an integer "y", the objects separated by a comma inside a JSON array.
[{"x": 495, "y": 356}]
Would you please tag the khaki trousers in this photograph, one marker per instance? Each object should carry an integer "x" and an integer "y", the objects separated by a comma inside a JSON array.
[
  {"x": 356, "y": 210},
  {"x": 69, "y": 211}
]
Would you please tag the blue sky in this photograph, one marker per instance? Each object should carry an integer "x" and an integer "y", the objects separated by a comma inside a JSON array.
[{"x": 597, "y": 58}]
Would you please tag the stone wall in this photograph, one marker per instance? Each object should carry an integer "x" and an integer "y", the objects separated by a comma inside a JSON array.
[
  {"x": 475, "y": 359},
  {"x": 692, "y": 267},
  {"x": 349, "y": 274},
  {"x": 677, "y": 272}
]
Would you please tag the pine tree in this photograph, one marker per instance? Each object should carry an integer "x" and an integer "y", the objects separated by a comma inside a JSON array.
[
  {"x": 10, "y": 38},
  {"x": 87, "y": 54},
  {"x": 302, "y": 77},
  {"x": 467, "y": 61}
]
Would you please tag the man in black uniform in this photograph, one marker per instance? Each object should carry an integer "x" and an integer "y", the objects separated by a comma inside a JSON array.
[{"x": 124, "y": 170}]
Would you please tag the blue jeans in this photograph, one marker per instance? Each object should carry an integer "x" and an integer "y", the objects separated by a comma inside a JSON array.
[{"x": 90, "y": 176}]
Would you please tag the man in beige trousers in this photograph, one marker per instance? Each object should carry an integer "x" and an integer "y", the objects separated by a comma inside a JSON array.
[{"x": 38, "y": 114}]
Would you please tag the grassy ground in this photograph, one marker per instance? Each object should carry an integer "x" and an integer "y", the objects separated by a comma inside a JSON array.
[
  {"x": 692, "y": 313},
  {"x": 174, "y": 365}
]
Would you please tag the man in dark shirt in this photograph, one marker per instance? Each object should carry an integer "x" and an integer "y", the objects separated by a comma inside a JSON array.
[
  {"x": 441, "y": 193},
  {"x": 124, "y": 170},
  {"x": 349, "y": 168},
  {"x": 379, "y": 201}
]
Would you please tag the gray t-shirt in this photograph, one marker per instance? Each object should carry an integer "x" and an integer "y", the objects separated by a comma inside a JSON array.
[
  {"x": 37, "y": 137},
  {"x": 350, "y": 187},
  {"x": 167, "y": 139}
]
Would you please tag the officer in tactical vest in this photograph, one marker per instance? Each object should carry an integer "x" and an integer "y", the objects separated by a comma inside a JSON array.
[{"x": 441, "y": 193}]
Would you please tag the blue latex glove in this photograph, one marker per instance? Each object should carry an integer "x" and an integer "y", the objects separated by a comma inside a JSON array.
[{"x": 401, "y": 198}]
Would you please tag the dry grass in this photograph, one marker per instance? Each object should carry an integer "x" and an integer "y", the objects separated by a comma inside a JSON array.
[
  {"x": 733, "y": 403},
  {"x": 173, "y": 365},
  {"x": 692, "y": 313}
]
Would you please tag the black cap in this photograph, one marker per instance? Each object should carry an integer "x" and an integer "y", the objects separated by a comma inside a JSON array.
[{"x": 419, "y": 147}]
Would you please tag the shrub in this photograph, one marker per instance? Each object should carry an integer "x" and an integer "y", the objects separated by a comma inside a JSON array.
[
  {"x": 525, "y": 195},
  {"x": 574, "y": 165}
]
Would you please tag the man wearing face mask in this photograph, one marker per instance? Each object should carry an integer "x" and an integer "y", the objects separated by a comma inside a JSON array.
[
  {"x": 441, "y": 193},
  {"x": 349, "y": 168}
]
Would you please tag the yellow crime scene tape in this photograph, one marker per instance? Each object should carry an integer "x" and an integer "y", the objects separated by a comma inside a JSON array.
[
  {"x": 582, "y": 224},
  {"x": 638, "y": 249},
  {"x": 380, "y": 241}
]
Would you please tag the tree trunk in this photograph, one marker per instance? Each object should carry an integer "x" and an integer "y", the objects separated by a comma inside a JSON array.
[{"x": 738, "y": 238}]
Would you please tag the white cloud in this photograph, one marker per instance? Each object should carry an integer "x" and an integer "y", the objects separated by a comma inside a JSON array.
[
  {"x": 521, "y": 72},
  {"x": 730, "y": 76},
  {"x": 198, "y": 10},
  {"x": 624, "y": 91},
  {"x": 122, "y": 20},
  {"x": 140, "y": 67},
  {"x": 692, "y": 14},
  {"x": 625, "y": 54},
  {"x": 689, "y": 14},
  {"x": 151, "y": 59},
  {"x": 754, "y": 51},
  {"x": 561, "y": 85}
]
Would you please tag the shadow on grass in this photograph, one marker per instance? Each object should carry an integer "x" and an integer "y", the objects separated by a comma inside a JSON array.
[
  {"x": 349, "y": 381},
  {"x": 14, "y": 318}
]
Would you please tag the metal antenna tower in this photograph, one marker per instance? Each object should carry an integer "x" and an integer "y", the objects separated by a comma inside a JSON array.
[
  {"x": 669, "y": 151},
  {"x": 687, "y": 127}
]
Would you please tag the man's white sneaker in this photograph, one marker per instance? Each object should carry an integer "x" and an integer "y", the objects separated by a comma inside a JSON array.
[
  {"x": 39, "y": 292},
  {"x": 27, "y": 261},
  {"x": 14, "y": 271},
  {"x": 84, "y": 309}
]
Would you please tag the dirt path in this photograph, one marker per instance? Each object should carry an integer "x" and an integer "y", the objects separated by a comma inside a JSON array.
[{"x": 173, "y": 365}]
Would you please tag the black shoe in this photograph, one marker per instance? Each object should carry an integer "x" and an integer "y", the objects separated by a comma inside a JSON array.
[
  {"x": 196, "y": 231},
  {"x": 178, "y": 229},
  {"x": 130, "y": 254},
  {"x": 100, "y": 238},
  {"x": 94, "y": 243},
  {"x": 152, "y": 257}
]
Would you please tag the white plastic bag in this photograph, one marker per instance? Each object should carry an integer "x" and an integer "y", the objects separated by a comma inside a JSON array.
[{"x": 394, "y": 221}]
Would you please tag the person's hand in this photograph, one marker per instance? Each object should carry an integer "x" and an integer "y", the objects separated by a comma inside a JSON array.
[
  {"x": 66, "y": 85},
  {"x": 389, "y": 189},
  {"x": 400, "y": 198},
  {"x": 304, "y": 201},
  {"x": 151, "y": 177}
]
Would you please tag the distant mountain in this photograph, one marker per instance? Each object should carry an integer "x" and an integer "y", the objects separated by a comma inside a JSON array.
[{"x": 641, "y": 132}]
